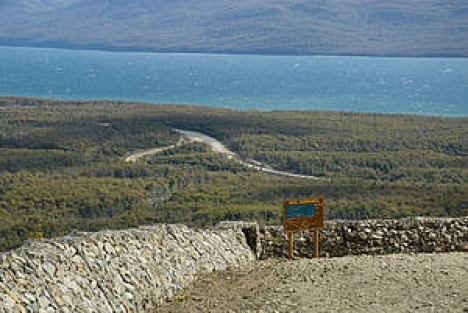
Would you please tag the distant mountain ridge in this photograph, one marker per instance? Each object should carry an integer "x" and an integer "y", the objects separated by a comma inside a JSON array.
[{"x": 348, "y": 27}]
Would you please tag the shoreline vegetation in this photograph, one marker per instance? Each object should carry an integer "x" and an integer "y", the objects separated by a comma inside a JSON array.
[
  {"x": 62, "y": 165},
  {"x": 16, "y": 100}
]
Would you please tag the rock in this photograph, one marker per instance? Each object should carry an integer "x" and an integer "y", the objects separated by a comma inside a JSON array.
[
  {"x": 49, "y": 268},
  {"x": 8, "y": 304},
  {"x": 30, "y": 297}
]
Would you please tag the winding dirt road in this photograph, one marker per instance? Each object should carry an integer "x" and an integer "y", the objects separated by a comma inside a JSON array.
[
  {"x": 140, "y": 154},
  {"x": 193, "y": 136}
]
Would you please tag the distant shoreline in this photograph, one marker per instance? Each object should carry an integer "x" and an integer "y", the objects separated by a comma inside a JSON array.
[
  {"x": 57, "y": 102},
  {"x": 144, "y": 50}
]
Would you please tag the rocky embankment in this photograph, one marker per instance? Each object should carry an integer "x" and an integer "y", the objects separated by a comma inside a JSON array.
[
  {"x": 114, "y": 271},
  {"x": 135, "y": 270}
]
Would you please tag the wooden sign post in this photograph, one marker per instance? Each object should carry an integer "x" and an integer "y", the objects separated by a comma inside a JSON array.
[
  {"x": 300, "y": 215},
  {"x": 316, "y": 243}
]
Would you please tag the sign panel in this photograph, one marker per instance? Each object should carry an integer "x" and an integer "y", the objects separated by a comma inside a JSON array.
[{"x": 306, "y": 214}]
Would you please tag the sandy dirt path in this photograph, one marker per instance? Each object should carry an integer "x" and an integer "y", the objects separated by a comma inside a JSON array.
[
  {"x": 216, "y": 146},
  {"x": 393, "y": 283},
  {"x": 140, "y": 154},
  {"x": 220, "y": 148}
]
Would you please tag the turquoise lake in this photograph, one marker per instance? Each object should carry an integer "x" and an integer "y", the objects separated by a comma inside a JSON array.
[{"x": 430, "y": 86}]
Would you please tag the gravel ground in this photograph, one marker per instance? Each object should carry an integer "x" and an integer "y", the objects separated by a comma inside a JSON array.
[{"x": 392, "y": 283}]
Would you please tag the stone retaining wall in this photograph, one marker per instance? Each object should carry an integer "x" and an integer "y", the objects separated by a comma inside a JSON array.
[
  {"x": 134, "y": 270},
  {"x": 113, "y": 271},
  {"x": 339, "y": 238}
]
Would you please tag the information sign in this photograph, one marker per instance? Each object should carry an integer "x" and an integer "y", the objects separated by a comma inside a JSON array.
[{"x": 306, "y": 214}]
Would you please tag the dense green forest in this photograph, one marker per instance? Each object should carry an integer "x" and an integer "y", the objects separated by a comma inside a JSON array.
[{"x": 62, "y": 166}]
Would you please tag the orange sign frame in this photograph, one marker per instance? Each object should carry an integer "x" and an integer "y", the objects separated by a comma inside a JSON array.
[{"x": 304, "y": 222}]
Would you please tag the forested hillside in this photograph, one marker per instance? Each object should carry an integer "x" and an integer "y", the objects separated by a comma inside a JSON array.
[
  {"x": 62, "y": 165},
  {"x": 351, "y": 27}
]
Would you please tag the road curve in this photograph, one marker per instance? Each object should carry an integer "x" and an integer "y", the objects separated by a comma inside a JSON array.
[{"x": 216, "y": 146}]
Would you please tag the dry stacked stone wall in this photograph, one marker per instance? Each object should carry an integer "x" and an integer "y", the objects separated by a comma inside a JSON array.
[
  {"x": 371, "y": 237},
  {"x": 134, "y": 270},
  {"x": 114, "y": 271}
]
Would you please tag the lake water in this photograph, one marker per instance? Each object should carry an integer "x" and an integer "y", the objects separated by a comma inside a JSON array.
[{"x": 436, "y": 86}]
